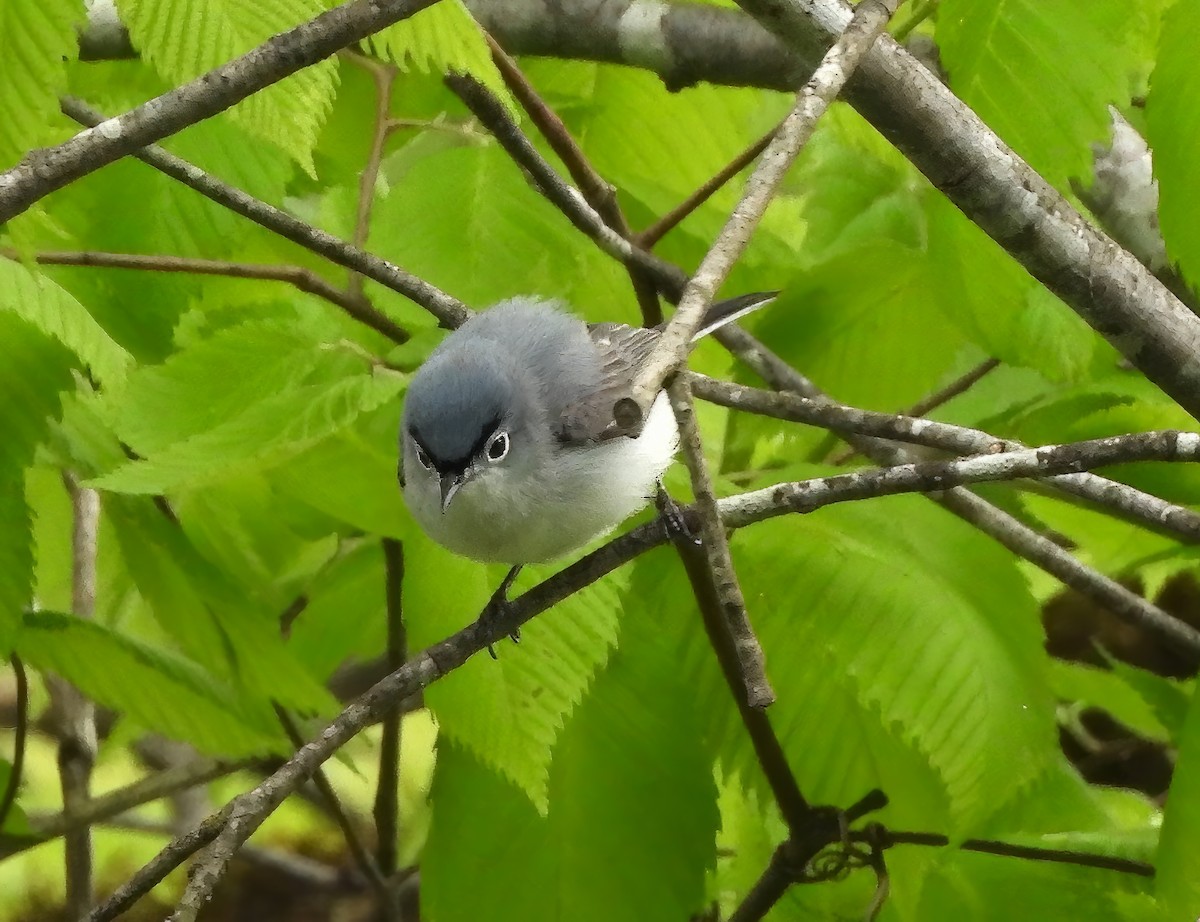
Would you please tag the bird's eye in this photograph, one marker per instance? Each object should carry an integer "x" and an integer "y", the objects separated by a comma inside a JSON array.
[
  {"x": 422, "y": 457},
  {"x": 498, "y": 447}
]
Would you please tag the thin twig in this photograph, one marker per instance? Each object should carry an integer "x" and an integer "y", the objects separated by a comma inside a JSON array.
[
  {"x": 570, "y": 201},
  {"x": 75, "y": 714},
  {"x": 358, "y": 849},
  {"x": 870, "y": 18},
  {"x": 153, "y": 787},
  {"x": 1140, "y": 508},
  {"x": 147, "y": 877},
  {"x": 449, "y": 311},
  {"x": 668, "y": 222},
  {"x": 17, "y": 767},
  {"x": 598, "y": 192},
  {"x": 355, "y": 305},
  {"x": 384, "y": 76},
  {"x": 889, "y": 838},
  {"x": 751, "y": 661},
  {"x": 387, "y": 804},
  {"x": 933, "y": 401}
]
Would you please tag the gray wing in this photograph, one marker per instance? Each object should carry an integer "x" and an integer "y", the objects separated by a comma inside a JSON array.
[{"x": 622, "y": 349}]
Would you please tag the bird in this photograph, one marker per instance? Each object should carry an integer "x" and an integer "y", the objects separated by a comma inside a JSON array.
[{"x": 509, "y": 452}]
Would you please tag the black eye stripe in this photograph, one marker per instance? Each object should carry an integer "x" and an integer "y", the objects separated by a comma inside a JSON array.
[{"x": 457, "y": 465}]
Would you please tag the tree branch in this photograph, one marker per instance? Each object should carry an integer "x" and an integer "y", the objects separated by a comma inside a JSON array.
[
  {"x": 870, "y": 18},
  {"x": 247, "y": 812},
  {"x": 74, "y": 714},
  {"x": 449, "y": 311},
  {"x": 1142, "y": 508},
  {"x": 355, "y": 305},
  {"x": 387, "y": 805},
  {"x": 384, "y": 76},
  {"x": 685, "y": 43},
  {"x": 731, "y": 603},
  {"x": 991, "y": 184},
  {"x": 598, "y": 192},
  {"x": 887, "y": 839},
  {"x": 938, "y": 398},
  {"x": 358, "y": 849},
  {"x": 999, "y": 525},
  {"x": 44, "y": 170}
]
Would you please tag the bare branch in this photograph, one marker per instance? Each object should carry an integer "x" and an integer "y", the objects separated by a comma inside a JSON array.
[
  {"x": 44, "y": 170},
  {"x": 672, "y": 219},
  {"x": 355, "y": 305},
  {"x": 732, "y": 604},
  {"x": 358, "y": 849},
  {"x": 75, "y": 714},
  {"x": 384, "y": 76},
  {"x": 449, "y": 311},
  {"x": 870, "y": 18},
  {"x": 1018, "y": 538},
  {"x": 1032, "y": 853},
  {"x": 938, "y": 398},
  {"x": 1139, "y": 507},
  {"x": 598, "y": 193},
  {"x": 1001, "y": 193},
  {"x": 387, "y": 805},
  {"x": 485, "y": 107}
]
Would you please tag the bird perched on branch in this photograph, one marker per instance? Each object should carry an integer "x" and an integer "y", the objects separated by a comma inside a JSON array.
[{"x": 509, "y": 450}]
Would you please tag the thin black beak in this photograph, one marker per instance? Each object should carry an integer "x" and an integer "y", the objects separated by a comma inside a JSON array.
[{"x": 449, "y": 484}]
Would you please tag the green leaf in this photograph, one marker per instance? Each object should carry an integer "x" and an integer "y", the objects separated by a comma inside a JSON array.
[
  {"x": 267, "y": 432},
  {"x": 34, "y": 297},
  {"x": 922, "y": 653},
  {"x": 322, "y": 636},
  {"x": 519, "y": 242},
  {"x": 1178, "y": 862},
  {"x": 36, "y": 36},
  {"x": 1102, "y": 688},
  {"x": 632, "y": 811},
  {"x": 1173, "y": 130},
  {"x": 987, "y": 295},
  {"x": 508, "y": 712},
  {"x": 202, "y": 386},
  {"x": 159, "y": 691},
  {"x": 1167, "y": 698},
  {"x": 1046, "y": 97},
  {"x": 34, "y": 372},
  {"x": 438, "y": 40},
  {"x": 366, "y": 494},
  {"x": 183, "y": 39}
]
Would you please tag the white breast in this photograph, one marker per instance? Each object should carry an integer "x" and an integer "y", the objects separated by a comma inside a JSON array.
[{"x": 582, "y": 494}]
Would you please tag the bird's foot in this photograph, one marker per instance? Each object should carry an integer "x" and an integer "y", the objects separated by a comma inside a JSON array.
[
  {"x": 674, "y": 521},
  {"x": 495, "y": 613}
]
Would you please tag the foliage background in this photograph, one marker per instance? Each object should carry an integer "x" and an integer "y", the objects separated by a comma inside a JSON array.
[{"x": 598, "y": 770}]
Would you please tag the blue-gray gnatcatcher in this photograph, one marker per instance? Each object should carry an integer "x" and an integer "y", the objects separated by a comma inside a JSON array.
[{"x": 505, "y": 457}]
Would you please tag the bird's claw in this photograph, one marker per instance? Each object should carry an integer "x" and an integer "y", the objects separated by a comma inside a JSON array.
[{"x": 674, "y": 522}]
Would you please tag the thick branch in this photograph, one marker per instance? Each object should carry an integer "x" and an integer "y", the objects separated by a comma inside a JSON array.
[{"x": 44, "y": 170}]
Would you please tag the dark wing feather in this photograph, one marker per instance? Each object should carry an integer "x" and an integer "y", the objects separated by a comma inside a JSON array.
[{"x": 621, "y": 350}]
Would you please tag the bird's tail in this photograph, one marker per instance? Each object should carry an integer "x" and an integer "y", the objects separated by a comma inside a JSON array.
[{"x": 731, "y": 309}]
